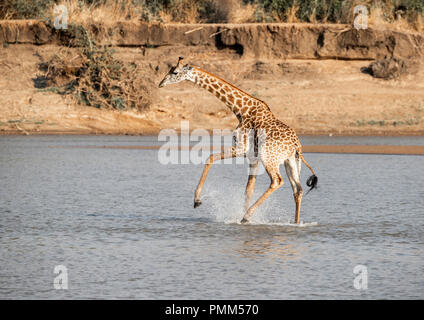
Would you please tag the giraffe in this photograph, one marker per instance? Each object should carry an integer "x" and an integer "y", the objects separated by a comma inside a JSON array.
[{"x": 279, "y": 143}]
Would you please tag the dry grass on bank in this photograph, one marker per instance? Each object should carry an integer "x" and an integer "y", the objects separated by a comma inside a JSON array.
[
  {"x": 108, "y": 13},
  {"x": 393, "y": 14}
]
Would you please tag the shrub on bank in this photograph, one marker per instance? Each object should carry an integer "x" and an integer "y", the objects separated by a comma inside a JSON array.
[{"x": 94, "y": 76}]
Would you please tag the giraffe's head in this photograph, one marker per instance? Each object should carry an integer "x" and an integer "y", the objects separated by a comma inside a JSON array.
[{"x": 177, "y": 74}]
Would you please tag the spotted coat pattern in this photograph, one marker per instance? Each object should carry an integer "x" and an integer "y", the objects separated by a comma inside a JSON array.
[{"x": 279, "y": 140}]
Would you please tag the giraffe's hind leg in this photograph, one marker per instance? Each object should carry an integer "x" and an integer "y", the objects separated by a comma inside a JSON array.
[
  {"x": 276, "y": 182},
  {"x": 292, "y": 165}
]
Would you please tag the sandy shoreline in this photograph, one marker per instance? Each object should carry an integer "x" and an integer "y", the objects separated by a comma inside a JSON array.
[
  {"x": 154, "y": 131},
  {"x": 365, "y": 149},
  {"x": 347, "y": 149}
]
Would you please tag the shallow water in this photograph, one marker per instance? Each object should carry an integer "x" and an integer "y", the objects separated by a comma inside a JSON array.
[{"x": 124, "y": 225}]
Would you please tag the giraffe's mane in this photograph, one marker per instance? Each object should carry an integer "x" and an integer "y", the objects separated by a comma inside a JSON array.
[{"x": 231, "y": 85}]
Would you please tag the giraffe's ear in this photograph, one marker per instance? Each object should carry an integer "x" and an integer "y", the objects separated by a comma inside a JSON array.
[{"x": 180, "y": 61}]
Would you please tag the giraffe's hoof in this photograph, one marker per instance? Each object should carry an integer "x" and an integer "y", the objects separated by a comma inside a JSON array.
[
  {"x": 244, "y": 221},
  {"x": 197, "y": 203}
]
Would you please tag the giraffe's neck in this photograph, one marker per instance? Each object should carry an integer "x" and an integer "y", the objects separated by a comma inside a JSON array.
[{"x": 243, "y": 105}]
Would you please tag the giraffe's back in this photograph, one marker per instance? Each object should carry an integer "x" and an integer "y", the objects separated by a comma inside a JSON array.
[{"x": 278, "y": 141}]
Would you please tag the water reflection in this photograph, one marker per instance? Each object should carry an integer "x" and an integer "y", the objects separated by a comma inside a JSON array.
[
  {"x": 121, "y": 216},
  {"x": 278, "y": 247}
]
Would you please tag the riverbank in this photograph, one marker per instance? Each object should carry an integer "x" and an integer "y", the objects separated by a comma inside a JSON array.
[{"x": 311, "y": 79}]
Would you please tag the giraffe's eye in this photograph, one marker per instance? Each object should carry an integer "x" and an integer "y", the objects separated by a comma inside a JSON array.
[{"x": 174, "y": 72}]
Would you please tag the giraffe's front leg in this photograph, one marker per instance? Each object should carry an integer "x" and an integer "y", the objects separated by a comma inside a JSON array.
[
  {"x": 276, "y": 182},
  {"x": 214, "y": 157},
  {"x": 250, "y": 187}
]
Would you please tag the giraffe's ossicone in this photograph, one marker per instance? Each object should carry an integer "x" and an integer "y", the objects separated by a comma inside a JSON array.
[{"x": 260, "y": 136}]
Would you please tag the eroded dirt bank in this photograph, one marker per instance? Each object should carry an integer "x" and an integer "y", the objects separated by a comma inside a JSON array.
[{"x": 311, "y": 76}]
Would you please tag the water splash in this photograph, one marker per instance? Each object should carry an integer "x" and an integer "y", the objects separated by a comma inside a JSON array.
[
  {"x": 288, "y": 223},
  {"x": 225, "y": 205}
]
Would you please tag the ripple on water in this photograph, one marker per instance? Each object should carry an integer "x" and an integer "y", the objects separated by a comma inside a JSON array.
[{"x": 124, "y": 226}]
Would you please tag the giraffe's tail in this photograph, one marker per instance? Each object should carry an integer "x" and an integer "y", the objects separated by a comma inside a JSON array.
[{"x": 312, "y": 181}]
